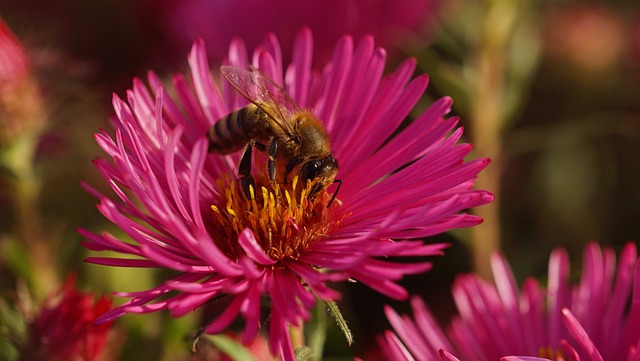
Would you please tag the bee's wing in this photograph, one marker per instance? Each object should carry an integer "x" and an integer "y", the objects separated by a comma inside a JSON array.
[{"x": 263, "y": 92}]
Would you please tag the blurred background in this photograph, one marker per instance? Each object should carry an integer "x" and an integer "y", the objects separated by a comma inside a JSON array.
[{"x": 549, "y": 90}]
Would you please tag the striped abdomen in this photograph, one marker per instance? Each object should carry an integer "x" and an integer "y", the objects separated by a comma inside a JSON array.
[{"x": 235, "y": 130}]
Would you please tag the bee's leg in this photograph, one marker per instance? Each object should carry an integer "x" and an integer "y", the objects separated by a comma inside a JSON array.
[
  {"x": 244, "y": 169},
  {"x": 261, "y": 147},
  {"x": 273, "y": 151},
  {"x": 196, "y": 338},
  {"x": 292, "y": 164}
]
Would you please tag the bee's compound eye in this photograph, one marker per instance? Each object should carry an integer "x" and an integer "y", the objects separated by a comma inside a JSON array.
[
  {"x": 309, "y": 170},
  {"x": 330, "y": 163}
]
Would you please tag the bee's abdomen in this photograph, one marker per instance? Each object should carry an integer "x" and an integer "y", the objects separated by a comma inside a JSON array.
[{"x": 235, "y": 130}]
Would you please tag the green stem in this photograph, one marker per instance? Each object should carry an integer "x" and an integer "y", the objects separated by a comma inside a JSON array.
[
  {"x": 19, "y": 160},
  {"x": 488, "y": 117}
]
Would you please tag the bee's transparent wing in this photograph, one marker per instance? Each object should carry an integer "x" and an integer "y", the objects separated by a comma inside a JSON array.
[{"x": 263, "y": 92}]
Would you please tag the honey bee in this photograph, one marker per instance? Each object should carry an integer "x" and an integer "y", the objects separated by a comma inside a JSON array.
[{"x": 274, "y": 123}]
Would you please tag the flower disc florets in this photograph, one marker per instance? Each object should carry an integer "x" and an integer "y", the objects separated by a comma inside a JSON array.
[{"x": 284, "y": 220}]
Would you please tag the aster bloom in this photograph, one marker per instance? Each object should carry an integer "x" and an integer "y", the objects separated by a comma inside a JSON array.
[
  {"x": 390, "y": 21},
  {"x": 184, "y": 211},
  {"x": 13, "y": 60},
  {"x": 597, "y": 319},
  {"x": 20, "y": 103},
  {"x": 64, "y": 330},
  {"x": 608, "y": 35}
]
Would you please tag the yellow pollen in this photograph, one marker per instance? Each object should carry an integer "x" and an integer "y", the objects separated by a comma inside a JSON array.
[
  {"x": 548, "y": 353},
  {"x": 284, "y": 221}
]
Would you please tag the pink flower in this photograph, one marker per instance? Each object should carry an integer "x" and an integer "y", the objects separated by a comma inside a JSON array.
[
  {"x": 182, "y": 208},
  {"x": 21, "y": 109},
  {"x": 13, "y": 60},
  {"x": 566, "y": 32},
  {"x": 64, "y": 329},
  {"x": 391, "y": 22},
  {"x": 597, "y": 319}
]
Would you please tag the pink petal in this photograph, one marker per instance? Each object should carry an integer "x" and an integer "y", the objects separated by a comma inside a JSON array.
[
  {"x": 580, "y": 335},
  {"x": 250, "y": 245}
]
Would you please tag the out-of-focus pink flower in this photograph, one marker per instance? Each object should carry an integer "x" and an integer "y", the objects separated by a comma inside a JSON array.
[
  {"x": 635, "y": 43},
  {"x": 64, "y": 329},
  {"x": 14, "y": 64},
  {"x": 597, "y": 319},
  {"x": 182, "y": 208},
  {"x": 391, "y": 22},
  {"x": 20, "y": 102},
  {"x": 591, "y": 39}
]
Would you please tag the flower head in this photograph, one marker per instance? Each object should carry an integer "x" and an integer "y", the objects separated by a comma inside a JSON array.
[
  {"x": 13, "y": 62},
  {"x": 184, "y": 208},
  {"x": 21, "y": 109},
  {"x": 597, "y": 319},
  {"x": 217, "y": 22},
  {"x": 606, "y": 49},
  {"x": 64, "y": 330}
]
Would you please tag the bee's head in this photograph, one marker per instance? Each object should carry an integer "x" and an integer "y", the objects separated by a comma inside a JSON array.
[{"x": 323, "y": 169}]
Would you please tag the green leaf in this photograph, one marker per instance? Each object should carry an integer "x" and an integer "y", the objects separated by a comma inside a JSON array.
[
  {"x": 230, "y": 347},
  {"x": 14, "y": 254},
  {"x": 12, "y": 331},
  {"x": 304, "y": 354}
]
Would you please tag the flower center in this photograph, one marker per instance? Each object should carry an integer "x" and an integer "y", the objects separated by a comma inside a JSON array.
[
  {"x": 548, "y": 353},
  {"x": 284, "y": 220}
]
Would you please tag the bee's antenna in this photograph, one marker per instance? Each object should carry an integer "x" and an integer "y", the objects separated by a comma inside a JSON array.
[{"x": 335, "y": 194}]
